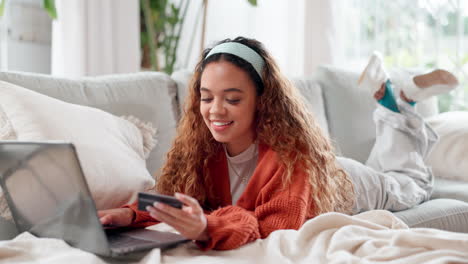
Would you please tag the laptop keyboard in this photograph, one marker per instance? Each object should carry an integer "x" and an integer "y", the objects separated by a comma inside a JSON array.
[
  {"x": 127, "y": 243},
  {"x": 140, "y": 239}
]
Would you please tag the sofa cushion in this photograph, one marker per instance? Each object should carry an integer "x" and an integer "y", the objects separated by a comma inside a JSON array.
[
  {"x": 448, "y": 158},
  {"x": 349, "y": 112},
  {"x": 450, "y": 189},
  {"x": 445, "y": 214},
  {"x": 182, "y": 79},
  {"x": 312, "y": 93},
  {"x": 149, "y": 96},
  {"x": 110, "y": 149}
]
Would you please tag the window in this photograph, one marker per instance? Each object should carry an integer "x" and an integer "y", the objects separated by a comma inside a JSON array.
[{"x": 420, "y": 34}]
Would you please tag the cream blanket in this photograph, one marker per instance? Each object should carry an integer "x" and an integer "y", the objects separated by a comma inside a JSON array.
[{"x": 374, "y": 236}]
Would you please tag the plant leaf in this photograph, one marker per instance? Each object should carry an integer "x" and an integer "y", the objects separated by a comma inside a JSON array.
[
  {"x": 2, "y": 7},
  {"x": 253, "y": 2},
  {"x": 49, "y": 6}
]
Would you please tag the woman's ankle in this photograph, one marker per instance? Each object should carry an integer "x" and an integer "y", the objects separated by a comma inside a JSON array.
[{"x": 406, "y": 99}]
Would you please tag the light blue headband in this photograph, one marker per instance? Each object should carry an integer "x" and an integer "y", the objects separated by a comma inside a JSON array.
[{"x": 241, "y": 51}]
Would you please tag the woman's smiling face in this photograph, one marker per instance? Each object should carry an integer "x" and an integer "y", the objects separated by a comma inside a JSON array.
[{"x": 228, "y": 98}]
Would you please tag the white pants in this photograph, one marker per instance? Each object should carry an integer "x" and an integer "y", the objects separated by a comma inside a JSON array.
[{"x": 395, "y": 177}]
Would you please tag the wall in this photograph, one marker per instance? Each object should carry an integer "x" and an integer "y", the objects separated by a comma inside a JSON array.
[
  {"x": 276, "y": 23},
  {"x": 25, "y": 37},
  {"x": 90, "y": 37},
  {"x": 298, "y": 33},
  {"x": 96, "y": 37}
]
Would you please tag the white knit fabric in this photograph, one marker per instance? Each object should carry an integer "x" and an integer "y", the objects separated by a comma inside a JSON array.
[
  {"x": 241, "y": 168},
  {"x": 374, "y": 75},
  {"x": 370, "y": 237}
]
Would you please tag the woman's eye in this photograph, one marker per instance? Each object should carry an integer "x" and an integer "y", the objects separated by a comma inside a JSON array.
[
  {"x": 206, "y": 99},
  {"x": 233, "y": 101}
]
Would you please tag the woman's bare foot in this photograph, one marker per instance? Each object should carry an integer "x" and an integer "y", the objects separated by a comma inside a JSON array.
[
  {"x": 438, "y": 76},
  {"x": 423, "y": 86},
  {"x": 373, "y": 75}
]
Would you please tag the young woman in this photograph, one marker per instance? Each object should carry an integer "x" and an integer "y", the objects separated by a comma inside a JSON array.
[{"x": 249, "y": 159}]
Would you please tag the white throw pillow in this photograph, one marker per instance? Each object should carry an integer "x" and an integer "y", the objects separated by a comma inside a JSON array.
[
  {"x": 111, "y": 150},
  {"x": 449, "y": 157}
]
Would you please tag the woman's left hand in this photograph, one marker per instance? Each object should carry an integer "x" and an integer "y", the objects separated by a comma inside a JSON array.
[{"x": 190, "y": 221}]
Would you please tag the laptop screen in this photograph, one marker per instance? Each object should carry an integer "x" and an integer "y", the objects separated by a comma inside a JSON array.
[{"x": 48, "y": 195}]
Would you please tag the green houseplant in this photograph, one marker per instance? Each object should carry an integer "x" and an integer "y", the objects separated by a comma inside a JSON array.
[{"x": 161, "y": 26}]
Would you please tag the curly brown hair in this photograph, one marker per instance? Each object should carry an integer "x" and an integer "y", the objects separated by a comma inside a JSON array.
[{"x": 282, "y": 123}]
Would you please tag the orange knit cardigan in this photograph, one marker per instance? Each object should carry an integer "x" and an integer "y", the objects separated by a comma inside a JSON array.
[{"x": 264, "y": 206}]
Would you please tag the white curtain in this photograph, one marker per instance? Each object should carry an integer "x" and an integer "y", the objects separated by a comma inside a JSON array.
[
  {"x": 298, "y": 33},
  {"x": 96, "y": 37},
  {"x": 321, "y": 39}
]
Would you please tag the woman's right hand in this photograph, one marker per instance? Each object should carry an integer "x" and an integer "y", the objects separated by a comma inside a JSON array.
[{"x": 117, "y": 217}]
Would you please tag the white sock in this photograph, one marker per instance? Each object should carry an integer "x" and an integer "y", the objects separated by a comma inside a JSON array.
[{"x": 374, "y": 75}]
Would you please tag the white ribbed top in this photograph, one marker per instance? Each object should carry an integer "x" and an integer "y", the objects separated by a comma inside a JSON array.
[{"x": 241, "y": 168}]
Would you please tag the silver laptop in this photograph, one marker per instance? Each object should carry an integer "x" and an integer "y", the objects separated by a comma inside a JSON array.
[{"x": 48, "y": 196}]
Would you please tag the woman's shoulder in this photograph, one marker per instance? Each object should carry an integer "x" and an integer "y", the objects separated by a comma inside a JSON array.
[
  {"x": 266, "y": 152},
  {"x": 271, "y": 170},
  {"x": 264, "y": 149},
  {"x": 271, "y": 160},
  {"x": 269, "y": 157}
]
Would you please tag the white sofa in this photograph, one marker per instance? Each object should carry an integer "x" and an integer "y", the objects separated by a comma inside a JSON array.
[{"x": 342, "y": 111}]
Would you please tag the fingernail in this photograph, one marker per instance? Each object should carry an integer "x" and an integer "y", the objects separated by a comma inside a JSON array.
[
  {"x": 158, "y": 205},
  {"x": 148, "y": 208}
]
